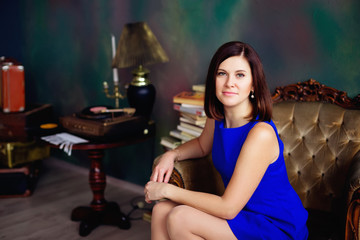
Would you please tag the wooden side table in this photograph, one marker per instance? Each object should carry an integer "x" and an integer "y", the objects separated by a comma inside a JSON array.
[{"x": 100, "y": 211}]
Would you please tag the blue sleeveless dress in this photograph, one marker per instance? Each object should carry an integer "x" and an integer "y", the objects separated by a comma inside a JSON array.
[{"x": 274, "y": 211}]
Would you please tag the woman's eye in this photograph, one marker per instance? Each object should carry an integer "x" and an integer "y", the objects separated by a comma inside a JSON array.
[
  {"x": 240, "y": 75},
  {"x": 221, "y": 74}
]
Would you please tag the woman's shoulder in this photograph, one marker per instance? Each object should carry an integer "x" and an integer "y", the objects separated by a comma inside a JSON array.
[
  {"x": 264, "y": 137},
  {"x": 263, "y": 130}
]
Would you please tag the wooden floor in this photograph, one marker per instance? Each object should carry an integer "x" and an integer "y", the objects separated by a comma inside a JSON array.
[{"x": 62, "y": 187}]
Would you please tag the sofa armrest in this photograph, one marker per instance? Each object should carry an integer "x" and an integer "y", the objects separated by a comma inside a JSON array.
[
  {"x": 352, "y": 220},
  {"x": 197, "y": 174},
  {"x": 354, "y": 178},
  {"x": 353, "y": 200}
]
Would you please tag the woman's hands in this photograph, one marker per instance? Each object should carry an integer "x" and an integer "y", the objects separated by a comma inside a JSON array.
[
  {"x": 155, "y": 191},
  {"x": 164, "y": 168},
  {"x": 155, "y": 188}
]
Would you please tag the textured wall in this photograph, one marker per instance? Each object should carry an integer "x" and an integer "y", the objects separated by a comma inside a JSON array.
[{"x": 65, "y": 47}]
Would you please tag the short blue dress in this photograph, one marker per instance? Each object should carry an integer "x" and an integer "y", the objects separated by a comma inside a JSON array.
[{"x": 274, "y": 211}]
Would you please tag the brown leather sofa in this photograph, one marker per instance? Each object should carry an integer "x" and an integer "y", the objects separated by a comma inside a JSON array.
[{"x": 320, "y": 128}]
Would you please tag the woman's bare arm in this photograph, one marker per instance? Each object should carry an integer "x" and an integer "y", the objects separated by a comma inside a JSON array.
[
  {"x": 195, "y": 148},
  {"x": 259, "y": 150}
]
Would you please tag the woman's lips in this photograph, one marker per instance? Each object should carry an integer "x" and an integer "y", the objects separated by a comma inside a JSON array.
[{"x": 229, "y": 93}]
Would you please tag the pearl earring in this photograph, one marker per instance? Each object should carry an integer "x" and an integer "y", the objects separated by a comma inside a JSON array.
[{"x": 252, "y": 95}]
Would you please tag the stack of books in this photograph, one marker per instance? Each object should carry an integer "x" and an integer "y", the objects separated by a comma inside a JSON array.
[{"x": 192, "y": 118}]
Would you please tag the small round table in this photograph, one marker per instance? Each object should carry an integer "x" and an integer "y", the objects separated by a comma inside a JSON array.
[{"x": 100, "y": 211}]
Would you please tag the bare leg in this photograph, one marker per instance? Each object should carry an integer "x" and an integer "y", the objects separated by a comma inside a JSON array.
[
  {"x": 185, "y": 222},
  {"x": 159, "y": 217}
]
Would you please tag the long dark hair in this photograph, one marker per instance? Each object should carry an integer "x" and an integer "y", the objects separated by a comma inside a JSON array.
[{"x": 262, "y": 103}]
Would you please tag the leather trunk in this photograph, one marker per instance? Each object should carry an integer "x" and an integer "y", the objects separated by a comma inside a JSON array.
[
  {"x": 22, "y": 126},
  {"x": 17, "y": 153},
  {"x": 19, "y": 182}
]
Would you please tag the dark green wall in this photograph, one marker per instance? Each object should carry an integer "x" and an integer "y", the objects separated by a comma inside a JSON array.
[{"x": 65, "y": 47}]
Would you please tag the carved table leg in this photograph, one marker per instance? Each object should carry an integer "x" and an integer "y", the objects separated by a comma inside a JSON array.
[
  {"x": 101, "y": 211},
  {"x": 97, "y": 179}
]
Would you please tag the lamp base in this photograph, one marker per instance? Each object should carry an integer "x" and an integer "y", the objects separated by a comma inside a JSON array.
[{"x": 142, "y": 98}]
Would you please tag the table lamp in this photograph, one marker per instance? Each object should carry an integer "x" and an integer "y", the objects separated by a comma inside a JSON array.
[{"x": 138, "y": 47}]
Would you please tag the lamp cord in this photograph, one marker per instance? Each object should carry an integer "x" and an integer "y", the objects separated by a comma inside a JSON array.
[{"x": 138, "y": 203}]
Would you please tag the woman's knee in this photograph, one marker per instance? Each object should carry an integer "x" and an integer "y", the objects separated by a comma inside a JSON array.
[
  {"x": 161, "y": 209},
  {"x": 177, "y": 220}
]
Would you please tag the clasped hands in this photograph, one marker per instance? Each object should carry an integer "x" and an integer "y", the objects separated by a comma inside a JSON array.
[{"x": 155, "y": 189}]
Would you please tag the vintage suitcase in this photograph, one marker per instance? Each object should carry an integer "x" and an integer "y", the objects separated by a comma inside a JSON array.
[
  {"x": 22, "y": 126},
  {"x": 12, "y": 82},
  {"x": 19, "y": 182},
  {"x": 16, "y": 153}
]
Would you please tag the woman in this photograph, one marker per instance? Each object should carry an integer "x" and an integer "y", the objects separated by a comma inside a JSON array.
[{"x": 258, "y": 201}]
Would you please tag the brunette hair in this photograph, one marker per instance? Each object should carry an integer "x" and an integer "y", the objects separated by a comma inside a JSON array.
[{"x": 262, "y": 102}]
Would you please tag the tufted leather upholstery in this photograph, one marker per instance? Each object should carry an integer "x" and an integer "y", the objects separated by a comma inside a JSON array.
[
  {"x": 320, "y": 129},
  {"x": 320, "y": 142}
]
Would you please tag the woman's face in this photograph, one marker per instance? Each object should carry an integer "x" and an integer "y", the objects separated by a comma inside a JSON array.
[{"x": 234, "y": 82}]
